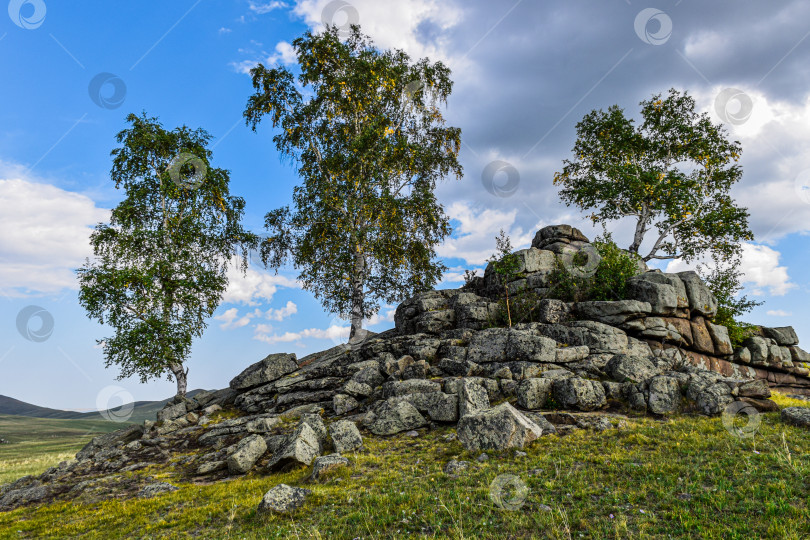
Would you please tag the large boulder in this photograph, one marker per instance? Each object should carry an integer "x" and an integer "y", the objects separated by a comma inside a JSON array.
[
  {"x": 626, "y": 368},
  {"x": 664, "y": 395},
  {"x": 497, "y": 428},
  {"x": 783, "y": 335},
  {"x": 613, "y": 312},
  {"x": 798, "y": 416},
  {"x": 110, "y": 440},
  {"x": 268, "y": 370},
  {"x": 650, "y": 288},
  {"x": 345, "y": 436},
  {"x": 248, "y": 451},
  {"x": 301, "y": 447},
  {"x": 283, "y": 499},
  {"x": 701, "y": 300},
  {"x": 534, "y": 393},
  {"x": 395, "y": 416},
  {"x": 324, "y": 464},
  {"x": 578, "y": 393},
  {"x": 472, "y": 397}
]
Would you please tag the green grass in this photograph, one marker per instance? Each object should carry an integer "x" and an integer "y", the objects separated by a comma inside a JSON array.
[
  {"x": 685, "y": 477},
  {"x": 39, "y": 443}
]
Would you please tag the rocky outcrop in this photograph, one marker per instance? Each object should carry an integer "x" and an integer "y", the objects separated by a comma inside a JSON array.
[{"x": 574, "y": 366}]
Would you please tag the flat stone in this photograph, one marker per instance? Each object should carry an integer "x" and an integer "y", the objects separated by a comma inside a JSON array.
[
  {"x": 273, "y": 367},
  {"x": 797, "y": 416}
]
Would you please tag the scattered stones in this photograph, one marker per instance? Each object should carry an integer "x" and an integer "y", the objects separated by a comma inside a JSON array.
[
  {"x": 157, "y": 488},
  {"x": 454, "y": 467},
  {"x": 283, "y": 499}
]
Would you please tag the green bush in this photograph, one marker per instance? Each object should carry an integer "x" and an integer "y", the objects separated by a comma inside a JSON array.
[
  {"x": 738, "y": 331},
  {"x": 609, "y": 282}
]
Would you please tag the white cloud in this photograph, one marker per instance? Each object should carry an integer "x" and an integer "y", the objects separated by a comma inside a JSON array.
[
  {"x": 230, "y": 319},
  {"x": 45, "y": 234},
  {"x": 778, "y": 313},
  {"x": 395, "y": 24},
  {"x": 261, "y": 9},
  {"x": 254, "y": 286},
  {"x": 335, "y": 332},
  {"x": 282, "y": 313},
  {"x": 760, "y": 265},
  {"x": 224, "y": 30},
  {"x": 760, "y": 268},
  {"x": 475, "y": 234},
  {"x": 284, "y": 54}
]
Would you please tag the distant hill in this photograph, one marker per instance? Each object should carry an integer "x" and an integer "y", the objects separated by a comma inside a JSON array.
[{"x": 142, "y": 410}]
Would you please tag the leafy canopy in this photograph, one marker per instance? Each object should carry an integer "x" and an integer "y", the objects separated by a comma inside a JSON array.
[
  {"x": 672, "y": 173},
  {"x": 160, "y": 263},
  {"x": 365, "y": 131}
]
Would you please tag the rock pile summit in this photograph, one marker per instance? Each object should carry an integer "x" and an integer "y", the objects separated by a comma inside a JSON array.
[{"x": 657, "y": 352}]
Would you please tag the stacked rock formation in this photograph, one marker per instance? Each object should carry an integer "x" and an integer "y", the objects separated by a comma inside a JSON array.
[{"x": 657, "y": 352}]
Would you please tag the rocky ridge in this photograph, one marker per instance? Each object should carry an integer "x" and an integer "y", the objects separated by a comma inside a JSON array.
[{"x": 581, "y": 366}]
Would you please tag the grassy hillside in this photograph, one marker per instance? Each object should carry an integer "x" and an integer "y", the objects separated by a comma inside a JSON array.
[
  {"x": 142, "y": 410},
  {"x": 39, "y": 443},
  {"x": 685, "y": 477}
]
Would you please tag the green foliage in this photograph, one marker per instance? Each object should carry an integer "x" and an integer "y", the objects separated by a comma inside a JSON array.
[
  {"x": 723, "y": 279},
  {"x": 523, "y": 308},
  {"x": 160, "y": 264},
  {"x": 365, "y": 130},
  {"x": 505, "y": 264},
  {"x": 608, "y": 282},
  {"x": 672, "y": 173}
]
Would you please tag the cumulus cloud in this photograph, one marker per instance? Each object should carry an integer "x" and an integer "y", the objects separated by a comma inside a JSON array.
[
  {"x": 282, "y": 313},
  {"x": 338, "y": 329},
  {"x": 267, "y": 7},
  {"x": 778, "y": 313},
  {"x": 284, "y": 54},
  {"x": 231, "y": 319},
  {"x": 254, "y": 286},
  {"x": 759, "y": 265},
  {"x": 46, "y": 233}
]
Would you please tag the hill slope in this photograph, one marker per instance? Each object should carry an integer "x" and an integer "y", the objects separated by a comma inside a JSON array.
[{"x": 142, "y": 410}]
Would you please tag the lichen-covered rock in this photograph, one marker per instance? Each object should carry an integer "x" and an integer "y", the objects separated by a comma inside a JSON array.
[
  {"x": 623, "y": 368},
  {"x": 283, "y": 499},
  {"x": 454, "y": 467},
  {"x": 798, "y": 416},
  {"x": 713, "y": 400},
  {"x": 110, "y": 440},
  {"x": 345, "y": 436},
  {"x": 582, "y": 394},
  {"x": 342, "y": 403},
  {"x": 782, "y": 335},
  {"x": 395, "y": 416},
  {"x": 156, "y": 488},
  {"x": 247, "y": 453},
  {"x": 664, "y": 395},
  {"x": 754, "y": 389},
  {"x": 471, "y": 398},
  {"x": 325, "y": 464},
  {"x": 273, "y": 367},
  {"x": 301, "y": 447},
  {"x": 171, "y": 412},
  {"x": 410, "y": 386},
  {"x": 661, "y": 296},
  {"x": 497, "y": 428},
  {"x": 534, "y": 393},
  {"x": 701, "y": 300},
  {"x": 612, "y": 312}
]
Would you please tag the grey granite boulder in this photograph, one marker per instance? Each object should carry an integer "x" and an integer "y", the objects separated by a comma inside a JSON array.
[
  {"x": 345, "y": 436},
  {"x": 612, "y": 312},
  {"x": 701, "y": 300},
  {"x": 497, "y": 428},
  {"x": 395, "y": 416},
  {"x": 301, "y": 447},
  {"x": 582, "y": 394},
  {"x": 534, "y": 393},
  {"x": 782, "y": 335},
  {"x": 273, "y": 367},
  {"x": 623, "y": 368},
  {"x": 283, "y": 499},
  {"x": 662, "y": 297},
  {"x": 248, "y": 451},
  {"x": 472, "y": 397},
  {"x": 664, "y": 395},
  {"x": 325, "y": 464},
  {"x": 798, "y": 416}
]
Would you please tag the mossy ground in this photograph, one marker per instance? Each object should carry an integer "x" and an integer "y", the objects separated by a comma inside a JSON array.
[{"x": 685, "y": 477}]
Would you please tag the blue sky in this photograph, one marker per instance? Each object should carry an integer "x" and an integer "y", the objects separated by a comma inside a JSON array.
[{"x": 525, "y": 72}]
